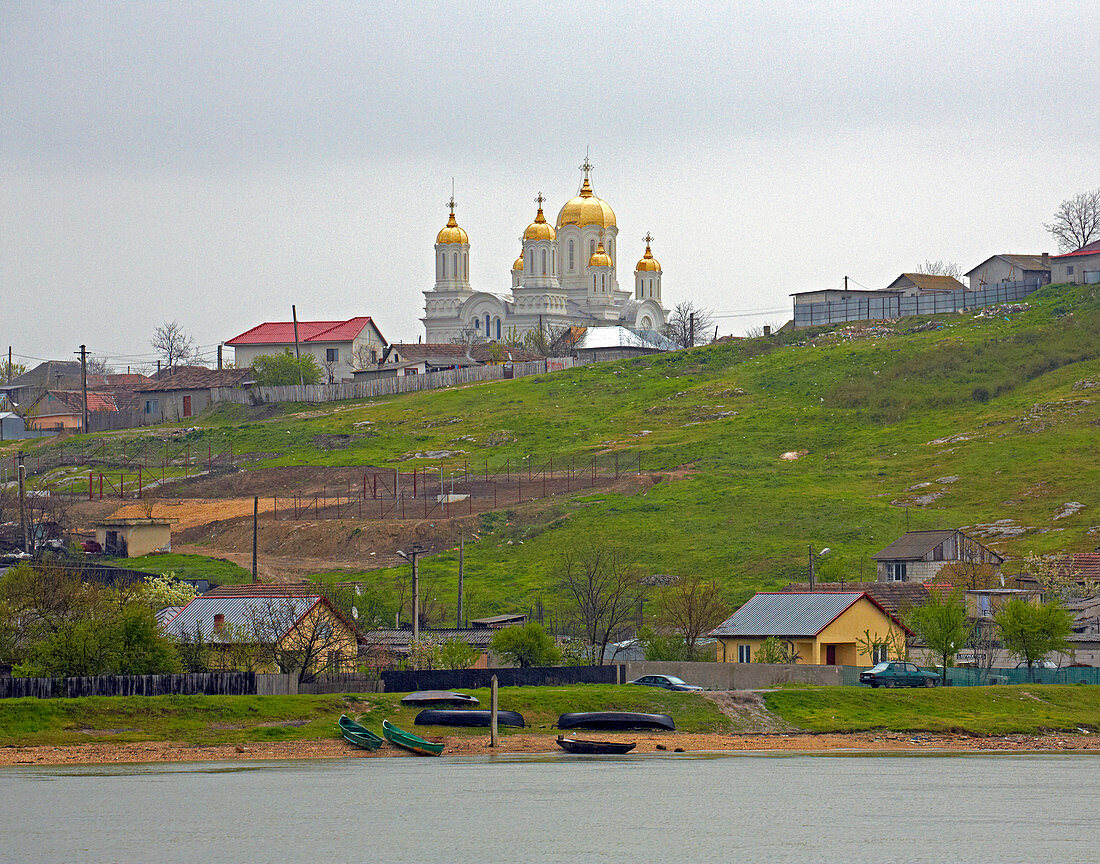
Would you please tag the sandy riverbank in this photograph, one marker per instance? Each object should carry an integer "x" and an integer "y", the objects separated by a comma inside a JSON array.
[{"x": 331, "y": 748}]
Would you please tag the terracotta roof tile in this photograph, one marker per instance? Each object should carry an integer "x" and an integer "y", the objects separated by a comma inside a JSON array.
[{"x": 282, "y": 332}]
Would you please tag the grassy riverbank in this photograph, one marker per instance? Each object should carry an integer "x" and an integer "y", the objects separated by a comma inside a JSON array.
[
  {"x": 239, "y": 719},
  {"x": 1022, "y": 710}
]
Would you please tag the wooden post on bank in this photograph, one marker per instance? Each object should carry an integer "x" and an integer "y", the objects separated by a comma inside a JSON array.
[{"x": 494, "y": 737}]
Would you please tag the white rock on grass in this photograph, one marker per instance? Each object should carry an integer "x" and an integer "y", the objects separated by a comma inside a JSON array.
[{"x": 1068, "y": 509}]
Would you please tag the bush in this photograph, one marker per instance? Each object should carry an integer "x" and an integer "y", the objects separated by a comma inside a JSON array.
[
  {"x": 274, "y": 370},
  {"x": 526, "y": 646}
]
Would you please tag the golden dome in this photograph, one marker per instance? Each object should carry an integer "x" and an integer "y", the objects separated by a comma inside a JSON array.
[
  {"x": 519, "y": 263},
  {"x": 599, "y": 258},
  {"x": 586, "y": 209},
  {"x": 451, "y": 233},
  {"x": 648, "y": 264},
  {"x": 540, "y": 229}
]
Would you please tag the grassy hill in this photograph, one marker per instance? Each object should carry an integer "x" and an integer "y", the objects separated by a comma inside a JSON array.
[{"x": 965, "y": 420}]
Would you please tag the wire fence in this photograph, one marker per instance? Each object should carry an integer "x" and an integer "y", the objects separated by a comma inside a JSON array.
[
  {"x": 135, "y": 463},
  {"x": 959, "y": 676}
]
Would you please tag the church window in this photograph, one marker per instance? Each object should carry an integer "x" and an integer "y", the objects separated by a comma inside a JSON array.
[
  {"x": 572, "y": 265},
  {"x": 466, "y": 266},
  {"x": 443, "y": 265},
  {"x": 553, "y": 263},
  {"x": 487, "y": 333},
  {"x": 456, "y": 264},
  {"x": 591, "y": 248},
  {"x": 543, "y": 262},
  {"x": 603, "y": 284},
  {"x": 611, "y": 249},
  {"x": 498, "y": 329},
  {"x": 593, "y": 283}
]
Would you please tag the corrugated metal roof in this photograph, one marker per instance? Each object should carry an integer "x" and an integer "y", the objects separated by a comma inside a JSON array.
[
  {"x": 398, "y": 640},
  {"x": 786, "y": 614},
  {"x": 199, "y": 378},
  {"x": 618, "y": 337},
  {"x": 240, "y": 612},
  {"x": 913, "y": 545},
  {"x": 894, "y": 597}
]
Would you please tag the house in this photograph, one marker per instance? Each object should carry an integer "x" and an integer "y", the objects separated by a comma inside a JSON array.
[
  {"x": 915, "y": 284},
  {"x": 1085, "y": 638},
  {"x": 1030, "y": 269},
  {"x": 918, "y": 556},
  {"x": 133, "y": 537},
  {"x": 339, "y": 347},
  {"x": 396, "y": 642},
  {"x": 63, "y": 410},
  {"x": 186, "y": 393},
  {"x": 13, "y": 427},
  {"x": 616, "y": 343},
  {"x": 819, "y": 627},
  {"x": 281, "y": 631},
  {"x": 1081, "y": 267},
  {"x": 437, "y": 356},
  {"x": 65, "y": 375}
]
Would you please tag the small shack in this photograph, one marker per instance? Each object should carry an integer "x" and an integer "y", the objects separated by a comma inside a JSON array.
[{"x": 133, "y": 537}]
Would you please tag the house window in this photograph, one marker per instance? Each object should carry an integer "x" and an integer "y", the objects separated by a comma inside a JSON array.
[
  {"x": 332, "y": 355},
  {"x": 152, "y": 406},
  {"x": 878, "y": 654},
  {"x": 744, "y": 654},
  {"x": 895, "y": 571},
  {"x": 1069, "y": 269},
  {"x": 985, "y": 606},
  {"x": 572, "y": 265}
]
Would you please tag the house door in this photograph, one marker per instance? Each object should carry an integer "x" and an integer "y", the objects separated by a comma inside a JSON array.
[
  {"x": 186, "y": 406},
  {"x": 830, "y": 655}
]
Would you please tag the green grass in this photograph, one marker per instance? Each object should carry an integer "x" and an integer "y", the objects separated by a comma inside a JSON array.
[
  {"x": 217, "y": 570},
  {"x": 866, "y": 411},
  {"x": 234, "y": 719},
  {"x": 1026, "y": 709}
]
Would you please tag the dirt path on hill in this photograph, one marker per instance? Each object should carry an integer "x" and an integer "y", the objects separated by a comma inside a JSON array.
[
  {"x": 747, "y": 713},
  {"x": 331, "y": 748}
]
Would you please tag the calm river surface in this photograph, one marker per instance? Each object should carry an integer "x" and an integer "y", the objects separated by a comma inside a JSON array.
[{"x": 639, "y": 808}]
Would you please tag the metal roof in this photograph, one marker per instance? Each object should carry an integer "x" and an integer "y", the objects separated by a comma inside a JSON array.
[
  {"x": 787, "y": 614},
  {"x": 239, "y": 612},
  {"x": 894, "y": 597},
  {"x": 398, "y": 640},
  {"x": 1021, "y": 262},
  {"x": 913, "y": 545},
  {"x": 619, "y": 337}
]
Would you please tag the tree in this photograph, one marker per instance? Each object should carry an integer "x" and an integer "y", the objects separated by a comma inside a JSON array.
[
  {"x": 662, "y": 646},
  {"x": 692, "y": 607},
  {"x": 941, "y": 268},
  {"x": 14, "y": 370},
  {"x": 525, "y": 646},
  {"x": 942, "y": 625},
  {"x": 457, "y": 653},
  {"x": 99, "y": 365},
  {"x": 162, "y": 591},
  {"x": 1058, "y": 578},
  {"x": 875, "y": 645},
  {"x": 299, "y": 644},
  {"x": 1076, "y": 222},
  {"x": 1032, "y": 631},
  {"x": 773, "y": 650},
  {"x": 364, "y": 356},
  {"x": 968, "y": 575},
  {"x": 605, "y": 589},
  {"x": 689, "y": 325},
  {"x": 174, "y": 345},
  {"x": 276, "y": 370}
]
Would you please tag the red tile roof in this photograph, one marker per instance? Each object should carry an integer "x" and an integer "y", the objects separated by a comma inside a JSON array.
[
  {"x": 71, "y": 400},
  {"x": 1091, "y": 249},
  {"x": 282, "y": 332},
  {"x": 1085, "y": 564}
]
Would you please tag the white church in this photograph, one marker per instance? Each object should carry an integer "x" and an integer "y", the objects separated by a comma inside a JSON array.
[{"x": 566, "y": 275}]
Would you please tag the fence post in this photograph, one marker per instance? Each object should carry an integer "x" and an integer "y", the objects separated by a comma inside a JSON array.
[{"x": 91, "y": 485}]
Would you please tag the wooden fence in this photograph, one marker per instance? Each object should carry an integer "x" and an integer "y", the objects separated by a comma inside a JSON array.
[{"x": 205, "y": 683}]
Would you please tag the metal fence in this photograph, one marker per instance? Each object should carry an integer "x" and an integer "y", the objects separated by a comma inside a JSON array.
[
  {"x": 449, "y": 679},
  {"x": 958, "y": 676},
  {"x": 880, "y": 307}
]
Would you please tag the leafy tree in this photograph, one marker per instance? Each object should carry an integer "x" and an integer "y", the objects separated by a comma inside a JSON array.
[
  {"x": 692, "y": 607},
  {"x": 166, "y": 590},
  {"x": 1076, "y": 222},
  {"x": 275, "y": 370},
  {"x": 774, "y": 650},
  {"x": 456, "y": 653},
  {"x": 529, "y": 645},
  {"x": 1031, "y": 632},
  {"x": 942, "y": 625},
  {"x": 658, "y": 646},
  {"x": 1058, "y": 578}
]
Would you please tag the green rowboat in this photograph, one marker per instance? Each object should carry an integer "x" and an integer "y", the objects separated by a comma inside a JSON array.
[
  {"x": 409, "y": 741},
  {"x": 359, "y": 735}
]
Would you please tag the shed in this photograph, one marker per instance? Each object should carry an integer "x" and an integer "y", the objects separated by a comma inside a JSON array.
[
  {"x": 495, "y": 622},
  {"x": 186, "y": 393},
  {"x": 135, "y": 536}
]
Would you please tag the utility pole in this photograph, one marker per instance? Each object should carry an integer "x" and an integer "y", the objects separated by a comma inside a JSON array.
[
  {"x": 9, "y": 364},
  {"x": 297, "y": 353},
  {"x": 255, "y": 531},
  {"x": 691, "y": 330},
  {"x": 845, "y": 283},
  {"x": 84, "y": 389},
  {"x": 219, "y": 356},
  {"x": 23, "y": 503},
  {"x": 461, "y": 556},
  {"x": 415, "y": 551}
]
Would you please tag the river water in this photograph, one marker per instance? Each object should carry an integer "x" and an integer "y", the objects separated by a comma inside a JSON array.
[{"x": 701, "y": 808}]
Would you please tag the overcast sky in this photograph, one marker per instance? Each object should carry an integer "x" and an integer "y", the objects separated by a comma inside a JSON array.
[{"x": 215, "y": 163}]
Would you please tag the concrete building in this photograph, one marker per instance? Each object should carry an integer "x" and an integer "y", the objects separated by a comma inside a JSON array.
[
  {"x": 186, "y": 393},
  {"x": 1030, "y": 269},
  {"x": 134, "y": 536},
  {"x": 1081, "y": 267},
  {"x": 339, "y": 347},
  {"x": 819, "y": 627},
  {"x": 919, "y": 556}
]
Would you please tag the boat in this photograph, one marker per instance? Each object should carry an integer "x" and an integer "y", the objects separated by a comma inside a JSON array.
[
  {"x": 581, "y": 745},
  {"x": 443, "y": 717},
  {"x": 615, "y": 720},
  {"x": 359, "y": 735},
  {"x": 418, "y": 745},
  {"x": 438, "y": 697}
]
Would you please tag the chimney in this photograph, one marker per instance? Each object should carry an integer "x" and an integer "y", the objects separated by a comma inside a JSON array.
[
  {"x": 1046, "y": 259},
  {"x": 767, "y": 330},
  {"x": 219, "y": 623}
]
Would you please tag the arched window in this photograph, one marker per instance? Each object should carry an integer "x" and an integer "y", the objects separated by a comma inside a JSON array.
[
  {"x": 498, "y": 329},
  {"x": 487, "y": 333},
  {"x": 466, "y": 266},
  {"x": 593, "y": 283},
  {"x": 553, "y": 264},
  {"x": 443, "y": 265},
  {"x": 572, "y": 265},
  {"x": 456, "y": 264},
  {"x": 543, "y": 262},
  {"x": 591, "y": 248},
  {"x": 603, "y": 283},
  {"x": 611, "y": 250}
]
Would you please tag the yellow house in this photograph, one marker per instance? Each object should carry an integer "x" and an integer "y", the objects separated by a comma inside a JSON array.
[
  {"x": 293, "y": 632},
  {"x": 132, "y": 537},
  {"x": 817, "y": 627}
]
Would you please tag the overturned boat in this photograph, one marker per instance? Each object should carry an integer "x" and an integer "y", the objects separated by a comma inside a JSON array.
[
  {"x": 611, "y": 720},
  {"x": 445, "y": 717}
]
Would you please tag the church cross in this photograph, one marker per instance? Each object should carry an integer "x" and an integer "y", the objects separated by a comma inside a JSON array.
[
  {"x": 539, "y": 200},
  {"x": 451, "y": 204},
  {"x": 587, "y": 166},
  {"x": 648, "y": 239}
]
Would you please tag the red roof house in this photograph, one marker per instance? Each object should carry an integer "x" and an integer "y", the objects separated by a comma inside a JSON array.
[{"x": 340, "y": 347}]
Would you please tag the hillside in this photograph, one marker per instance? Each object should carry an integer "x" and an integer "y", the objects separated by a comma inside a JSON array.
[{"x": 968, "y": 420}]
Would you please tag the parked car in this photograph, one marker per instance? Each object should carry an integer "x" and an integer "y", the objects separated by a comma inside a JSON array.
[
  {"x": 898, "y": 673},
  {"x": 1039, "y": 664},
  {"x": 665, "y": 682}
]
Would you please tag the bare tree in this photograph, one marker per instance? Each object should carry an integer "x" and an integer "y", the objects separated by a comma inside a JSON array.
[
  {"x": 692, "y": 607},
  {"x": 173, "y": 344},
  {"x": 690, "y": 325},
  {"x": 304, "y": 645},
  {"x": 941, "y": 268},
  {"x": 99, "y": 365},
  {"x": 604, "y": 587},
  {"x": 1076, "y": 221},
  {"x": 364, "y": 357}
]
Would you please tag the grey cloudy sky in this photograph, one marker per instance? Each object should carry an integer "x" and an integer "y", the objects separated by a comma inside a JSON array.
[{"x": 216, "y": 162}]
